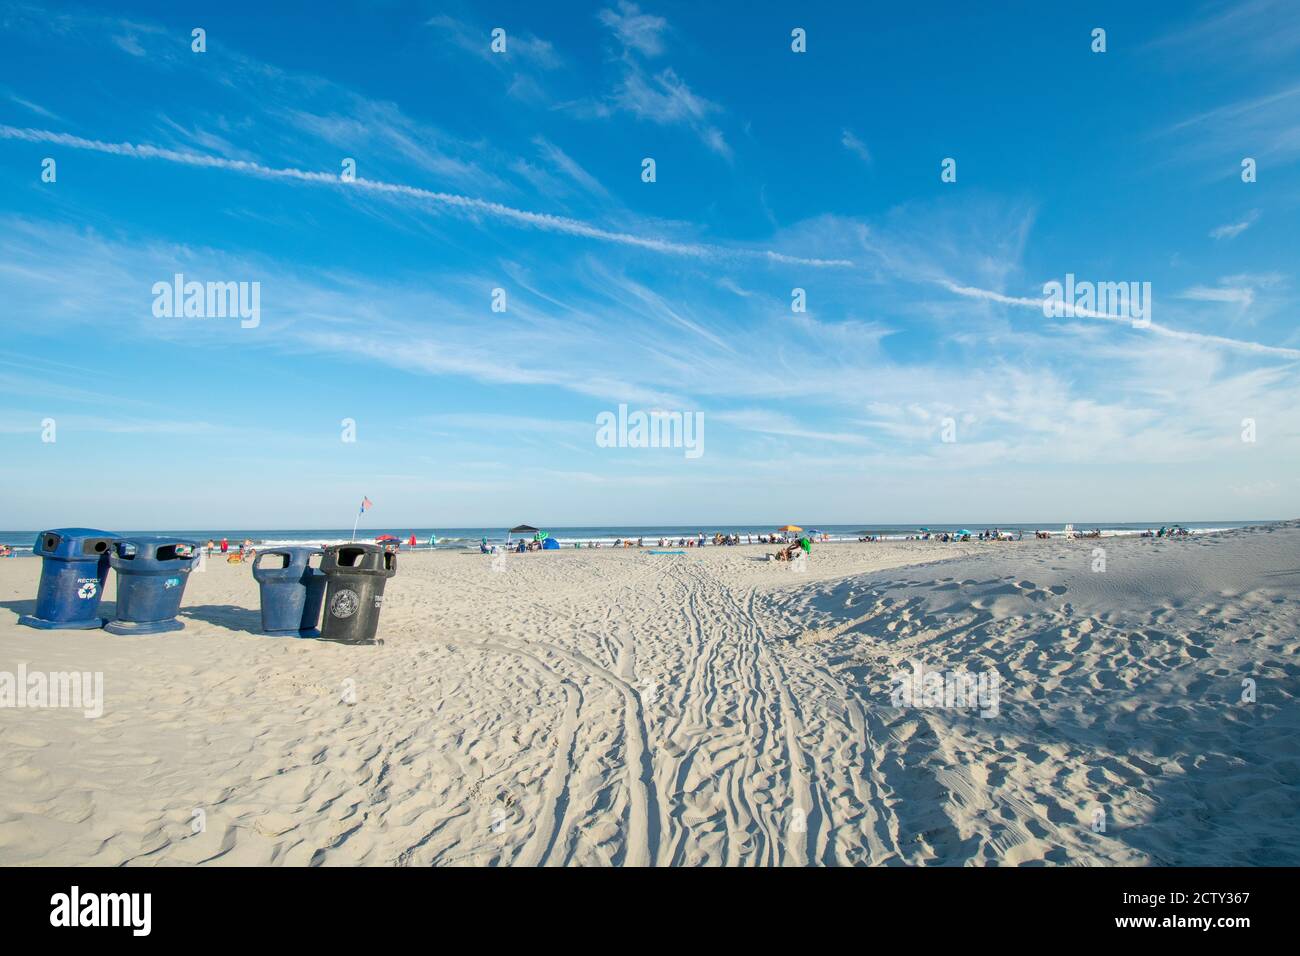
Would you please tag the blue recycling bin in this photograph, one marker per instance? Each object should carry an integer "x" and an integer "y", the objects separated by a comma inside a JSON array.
[
  {"x": 151, "y": 574},
  {"x": 72, "y": 578},
  {"x": 292, "y": 590}
]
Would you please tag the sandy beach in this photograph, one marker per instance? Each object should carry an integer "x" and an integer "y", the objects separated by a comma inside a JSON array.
[{"x": 613, "y": 707}]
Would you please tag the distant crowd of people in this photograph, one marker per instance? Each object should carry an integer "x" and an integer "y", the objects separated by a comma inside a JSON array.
[
  {"x": 244, "y": 553},
  {"x": 697, "y": 540}
]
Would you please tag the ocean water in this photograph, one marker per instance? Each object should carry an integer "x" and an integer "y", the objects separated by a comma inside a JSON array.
[{"x": 457, "y": 538}]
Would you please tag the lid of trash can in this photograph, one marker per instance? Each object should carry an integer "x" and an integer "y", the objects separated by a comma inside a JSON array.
[
  {"x": 73, "y": 542},
  {"x": 356, "y": 558},
  {"x": 287, "y": 561},
  {"x": 155, "y": 548}
]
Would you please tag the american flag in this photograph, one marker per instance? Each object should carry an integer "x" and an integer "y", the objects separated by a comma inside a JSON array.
[{"x": 365, "y": 503}]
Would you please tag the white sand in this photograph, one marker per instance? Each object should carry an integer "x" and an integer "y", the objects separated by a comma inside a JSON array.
[{"x": 610, "y": 707}]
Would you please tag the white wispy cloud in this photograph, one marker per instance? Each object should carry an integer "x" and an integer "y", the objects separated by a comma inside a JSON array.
[
  {"x": 855, "y": 146},
  {"x": 521, "y": 47},
  {"x": 357, "y": 123},
  {"x": 1241, "y": 295},
  {"x": 1243, "y": 33},
  {"x": 666, "y": 99},
  {"x": 130, "y": 44},
  {"x": 1262, "y": 127},
  {"x": 1233, "y": 229},
  {"x": 776, "y": 423},
  {"x": 793, "y": 387},
  {"x": 639, "y": 31},
  {"x": 569, "y": 167},
  {"x": 660, "y": 96},
  {"x": 726, "y": 282},
  {"x": 27, "y": 104}
]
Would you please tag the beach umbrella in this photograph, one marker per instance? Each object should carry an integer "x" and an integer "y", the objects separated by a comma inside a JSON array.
[
  {"x": 386, "y": 537},
  {"x": 790, "y": 527}
]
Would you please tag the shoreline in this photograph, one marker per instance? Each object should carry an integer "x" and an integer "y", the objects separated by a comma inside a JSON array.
[{"x": 275, "y": 539}]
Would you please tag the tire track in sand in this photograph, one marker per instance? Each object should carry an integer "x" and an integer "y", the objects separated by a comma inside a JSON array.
[{"x": 642, "y": 841}]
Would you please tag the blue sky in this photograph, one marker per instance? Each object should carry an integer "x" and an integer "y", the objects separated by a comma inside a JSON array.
[{"x": 522, "y": 171}]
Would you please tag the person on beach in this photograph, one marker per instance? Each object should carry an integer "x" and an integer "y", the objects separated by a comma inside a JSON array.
[
  {"x": 788, "y": 553},
  {"x": 225, "y": 545},
  {"x": 211, "y": 545}
]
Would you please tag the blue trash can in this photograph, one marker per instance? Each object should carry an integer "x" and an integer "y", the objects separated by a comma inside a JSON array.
[
  {"x": 72, "y": 578},
  {"x": 151, "y": 573},
  {"x": 292, "y": 590}
]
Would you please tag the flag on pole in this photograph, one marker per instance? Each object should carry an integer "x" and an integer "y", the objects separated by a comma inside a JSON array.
[{"x": 365, "y": 503}]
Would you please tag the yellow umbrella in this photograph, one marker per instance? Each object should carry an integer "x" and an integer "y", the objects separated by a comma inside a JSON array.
[{"x": 790, "y": 527}]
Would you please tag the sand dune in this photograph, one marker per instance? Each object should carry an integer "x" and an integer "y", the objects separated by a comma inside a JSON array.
[{"x": 613, "y": 707}]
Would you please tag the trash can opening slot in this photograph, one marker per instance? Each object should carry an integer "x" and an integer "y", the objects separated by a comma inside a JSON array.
[
  {"x": 52, "y": 541},
  {"x": 314, "y": 560},
  {"x": 94, "y": 546},
  {"x": 348, "y": 557},
  {"x": 390, "y": 560},
  {"x": 272, "y": 560},
  {"x": 126, "y": 551},
  {"x": 170, "y": 552}
]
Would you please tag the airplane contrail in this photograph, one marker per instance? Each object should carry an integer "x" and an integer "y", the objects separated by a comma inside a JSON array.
[{"x": 523, "y": 217}]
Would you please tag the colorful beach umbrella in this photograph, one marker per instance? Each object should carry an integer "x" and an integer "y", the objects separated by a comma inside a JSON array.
[{"x": 790, "y": 527}]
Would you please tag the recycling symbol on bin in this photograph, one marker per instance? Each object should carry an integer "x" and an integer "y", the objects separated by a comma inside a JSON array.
[
  {"x": 345, "y": 603},
  {"x": 88, "y": 589}
]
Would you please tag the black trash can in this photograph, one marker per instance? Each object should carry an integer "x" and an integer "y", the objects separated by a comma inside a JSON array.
[{"x": 355, "y": 577}]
